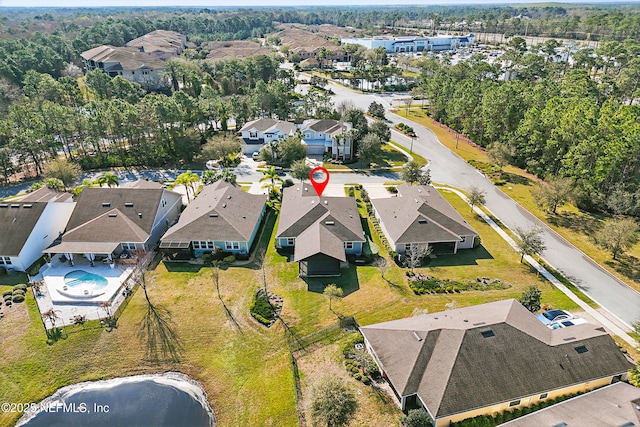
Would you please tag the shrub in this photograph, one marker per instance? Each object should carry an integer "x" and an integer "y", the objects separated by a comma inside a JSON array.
[
  {"x": 229, "y": 259},
  {"x": 351, "y": 192},
  {"x": 18, "y": 292},
  {"x": 7, "y": 302},
  {"x": 392, "y": 189},
  {"x": 18, "y": 298},
  {"x": 261, "y": 309},
  {"x": 5, "y": 293},
  {"x": 20, "y": 286}
]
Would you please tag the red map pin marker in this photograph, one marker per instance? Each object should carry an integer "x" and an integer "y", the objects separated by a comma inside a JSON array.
[{"x": 319, "y": 186}]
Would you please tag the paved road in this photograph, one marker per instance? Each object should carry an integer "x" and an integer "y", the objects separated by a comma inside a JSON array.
[{"x": 447, "y": 168}]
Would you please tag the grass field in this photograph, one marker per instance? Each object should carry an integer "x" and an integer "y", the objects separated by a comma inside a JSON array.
[
  {"x": 243, "y": 367},
  {"x": 577, "y": 226}
]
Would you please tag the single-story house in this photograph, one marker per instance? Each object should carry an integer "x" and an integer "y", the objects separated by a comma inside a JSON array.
[
  {"x": 321, "y": 230},
  {"x": 258, "y": 132},
  {"x": 419, "y": 217},
  {"x": 614, "y": 405},
  {"x": 327, "y": 136},
  {"x": 489, "y": 358},
  {"x": 123, "y": 221},
  {"x": 221, "y": 216},
  {"x": 30, "y": 224}
]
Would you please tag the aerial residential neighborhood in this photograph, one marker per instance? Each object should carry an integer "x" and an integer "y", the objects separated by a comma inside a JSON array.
[{"x": 330, "y": 215}]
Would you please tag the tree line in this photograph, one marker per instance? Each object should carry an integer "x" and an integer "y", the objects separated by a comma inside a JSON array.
[{"x": 576, "y": 121}]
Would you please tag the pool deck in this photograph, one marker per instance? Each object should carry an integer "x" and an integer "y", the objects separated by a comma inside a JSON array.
[{"x": 67, "y": 307}]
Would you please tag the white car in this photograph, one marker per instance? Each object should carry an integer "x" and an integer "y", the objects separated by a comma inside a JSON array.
[
  {"x": 212, "y": 164},
  {"x": 255, "y": 156},
  {"x": 552, "y": 316}
]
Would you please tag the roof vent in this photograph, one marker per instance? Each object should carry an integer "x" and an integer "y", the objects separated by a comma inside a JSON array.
[
  {"x": 213, "y": 215},
  {"x": 27, "y": 206},
  {"x": 415, "y": 334},
  {"x": 422, "y": 221},
  {"x": 224, "y": 205},
  {"x": 417, "y": 201},
  {"x": 329, "y": 222},
  {"x": 326, "y": 203},
  {"x": 479, "y": 323},
  {"x": 113, "y": 215},
  {"x": 488, "y": 334},
  {"x": 139, "y": 214},
  {"x": 569, "y": 339},
  {"x": 128, "y": 204},
  {"x": 106, "y": 204},
  {"x": 580, "y": 349},
  {"x": 629, "y": 424},
  {"x": 229, "y": 196},
  {"x": 15, "y": 206},
  {"x": 562, "y": 424},
  {"x": 4, "y": 205}
]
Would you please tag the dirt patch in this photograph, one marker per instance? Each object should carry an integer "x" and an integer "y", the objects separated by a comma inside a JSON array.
[
  {"x": 238, "y": 49},
  {"x": 375, "y": 406}
]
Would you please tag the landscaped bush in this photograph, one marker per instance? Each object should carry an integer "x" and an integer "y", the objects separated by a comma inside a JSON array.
[
  {"x": 407, "y": 130},
  {"x": 392, "y": 189},
  {"x": 17, "y": 298},
  {"x": 229, "y": 259},
  {"x": 7, "y": 302},
  {"x": 18, "y": 292},
  {"x": 351, "y": 192},
  {"x": 5, "y": 293},
  {"x": 261, "y": 309},
  {"x": 423, "y": 284},
  {"x": 488, "y": 421},
  {"x": 20, "y": 286}
]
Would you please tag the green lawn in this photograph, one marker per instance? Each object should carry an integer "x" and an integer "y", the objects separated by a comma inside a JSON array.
[
  {"x": 237, "y": 360},
  {"x": 388, "y": 158}
]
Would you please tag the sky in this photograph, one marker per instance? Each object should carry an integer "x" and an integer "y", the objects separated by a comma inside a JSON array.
[{"x": 239, "y": 3}]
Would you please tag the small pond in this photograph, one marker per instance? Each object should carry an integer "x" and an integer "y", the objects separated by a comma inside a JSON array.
[{"x": 170, "y": 399}]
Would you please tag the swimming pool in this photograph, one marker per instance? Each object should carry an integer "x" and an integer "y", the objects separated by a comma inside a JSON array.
[
  {"x": 82, "y": 284},
  {"x": 83, "y": 278}
]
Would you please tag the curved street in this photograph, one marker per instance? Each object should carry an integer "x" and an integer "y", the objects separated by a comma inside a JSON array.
[{"x": 617, "y": 298}]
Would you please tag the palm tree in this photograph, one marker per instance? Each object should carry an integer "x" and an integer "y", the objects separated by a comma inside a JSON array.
[
  {"x": 109, "y": 179},
  {"x": 272, "y": 175},
  {"x": 188, "y": 179}
]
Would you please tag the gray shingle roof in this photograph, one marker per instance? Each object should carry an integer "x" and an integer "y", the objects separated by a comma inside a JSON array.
[
  {"x": 454, "y": 368},
  {"x": 124, "y": 214},
  {"x": 265, "y": 124},
  {"x": 421, "y": 214},
  {"x": 162, "y": 40},
  {"x": 45, "y": 194},
  {"x": 124, "y": 58},
  {"x": 303, "y": 209},
  {"x": 330, "y": 126},
  {"x": 221, "y": 212},
  {"x": 16, "y": 224}
]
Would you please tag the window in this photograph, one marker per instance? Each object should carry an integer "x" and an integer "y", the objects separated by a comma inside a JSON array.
[
  {"x": 291, "y": 241},
  {"x": 348, "y": 245},
  {"x": 236, "y": 245},
  {"x": 196, "y": 245},
  {"x": 514, "y": 403},
  {"x": 543, "y": 396},
  {"x": 253, "y": 135},
  {"x": 488, "y": 334},
  {"x": 129, "y": 246},
  {"x": 5, "y": 260},
  {"x": 210, "y": 245}
]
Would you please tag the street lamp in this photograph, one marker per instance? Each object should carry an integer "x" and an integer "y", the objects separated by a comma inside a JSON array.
[{"x": 411, "y": 149}]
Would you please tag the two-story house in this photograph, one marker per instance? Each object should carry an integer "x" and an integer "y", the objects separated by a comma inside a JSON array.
[
  {"x": 258, "y": 132},
  {"x": 328, "y": 136}
]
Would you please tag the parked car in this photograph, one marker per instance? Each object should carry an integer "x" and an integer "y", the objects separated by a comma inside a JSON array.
[
  {"x": 551, "y": 316},
  {"x": 566, "y": 323},
  {"x": 255, "y": 155},
  {"x": 212, "y": 165}
]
